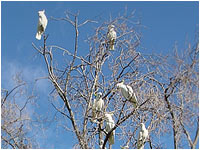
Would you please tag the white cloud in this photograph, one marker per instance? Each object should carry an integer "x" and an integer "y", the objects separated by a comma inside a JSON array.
[{"x": 29, "y": 74}]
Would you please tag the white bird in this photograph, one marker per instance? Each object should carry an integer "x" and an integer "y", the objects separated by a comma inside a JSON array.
[
  {"x": 143, "y": 135},
  {"x": 42, "y": 24},
  {"x": 111, "y": 36},
  {"x": 109, "y": 125},
  {"x": 98, "y": 106},
  {"x": 128, "y": 93}
]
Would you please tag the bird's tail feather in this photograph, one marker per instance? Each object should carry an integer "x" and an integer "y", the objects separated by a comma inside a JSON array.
[
  {"x": 134, "y": 104},
  {"x": 133, "y": 100},
  {"x": 140, "y": 146},
  {"x": 112, "y": 47},
  {"x": 111, "y": 139},
  {"x": 38, "y": 36}
]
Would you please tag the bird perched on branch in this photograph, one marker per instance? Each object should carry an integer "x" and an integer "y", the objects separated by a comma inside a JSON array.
[
  {"x": 98, "y": 106},
  {"x": 42, "y": 24},
  {"x": 128, "y": 93},
  {"x": 143, "y": 135},
  {"x": 109, "y": 125},
  {"x": 111, "y": 36}
]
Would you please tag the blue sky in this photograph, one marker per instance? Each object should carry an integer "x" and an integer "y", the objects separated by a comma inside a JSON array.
[{"x": 165, "y": 23}]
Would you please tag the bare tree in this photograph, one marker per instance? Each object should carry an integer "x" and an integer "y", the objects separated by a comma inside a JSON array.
[
  {"x": 15, "y": 119},
  {"x": 166, "y": 86}
]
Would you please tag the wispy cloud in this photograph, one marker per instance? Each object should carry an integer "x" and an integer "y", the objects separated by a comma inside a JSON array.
[{"x": 28, "y": 73}]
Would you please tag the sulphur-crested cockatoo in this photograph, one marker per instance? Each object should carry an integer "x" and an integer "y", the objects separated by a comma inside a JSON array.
[
  {"x": 111, "y": 36},
  {"x": 128, "y": 93},
  {"x": 42, "y": 24},
  {"x": 142, "y": 137},
  {"x": 109, "y": 125},
  {"x": 98, "y": 106}
]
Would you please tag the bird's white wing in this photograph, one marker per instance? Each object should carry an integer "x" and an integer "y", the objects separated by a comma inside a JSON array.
[
  {"x": 109, "y": 125},
  {"x": 111, "y": 36},
  {"x": 100, "y": 104},
  {"x": 114, "y": 35},
  {"x": 130, "y": 90},
  {"x": 44, "y": 21},
  {"x": 39, "y": 29},
  {"x": 125, "y": 92},
  {"x": 134, "y": 100},
  {"x": 108, "y": 35},
  {"x": 94, "y": 114},
  {"x": 94, "y": 105},
  {"x": 145, "y": 135},
  {"x": 132, "y": 96},
  {"x": 111, "y": 139}
]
